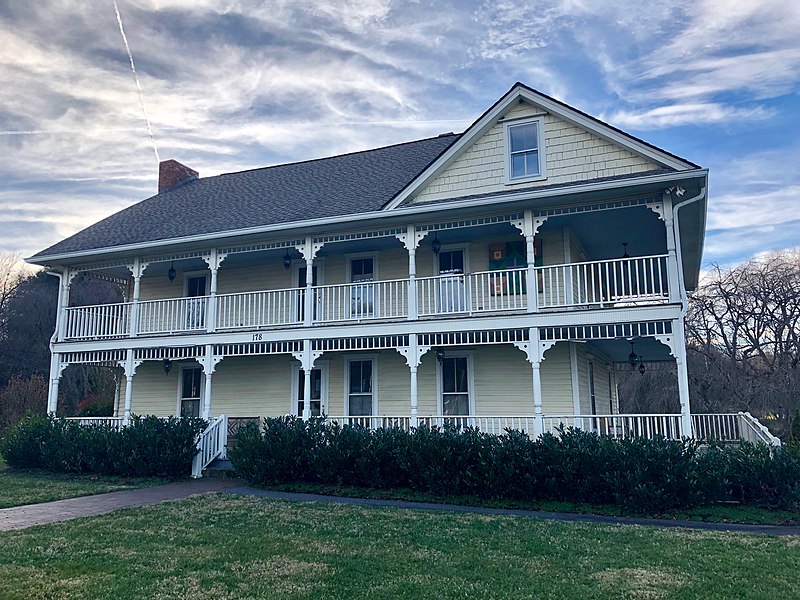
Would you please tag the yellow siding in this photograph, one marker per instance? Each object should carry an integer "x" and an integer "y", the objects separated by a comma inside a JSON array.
[
  {"x": 153, "y": 392},
  {"x": 572, "y": 155},
  {"x": 268, "y": 276},
  {"x": 394, "y": 384},
  {"x": 252, "y": 386}
]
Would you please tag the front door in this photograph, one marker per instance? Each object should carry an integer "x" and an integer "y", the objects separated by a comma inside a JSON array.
[
  {"x": 191, "y": 383},
  {"x": 195, "y": 309},
  {"x": 317, "y": 405},
  {"x": 362, "y": 297},
  {"x": 452, "y": 295}
]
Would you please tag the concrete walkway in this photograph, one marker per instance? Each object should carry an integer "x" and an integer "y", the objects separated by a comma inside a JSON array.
[
  {"x": 777, "y": 530},
  {"x": 20, "y": 517}
]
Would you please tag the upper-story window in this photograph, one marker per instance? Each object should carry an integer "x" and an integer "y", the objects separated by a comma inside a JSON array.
[{"x": 525, "y": 159}]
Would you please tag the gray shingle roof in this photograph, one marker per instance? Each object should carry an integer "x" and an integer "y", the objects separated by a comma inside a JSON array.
[{"x": 328, "y": 187}]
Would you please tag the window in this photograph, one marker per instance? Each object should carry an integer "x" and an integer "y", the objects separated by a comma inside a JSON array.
[
  {"x": 524, "y": 145},
  {"x": 195, "y": 309},
  {"x": 359, "y": 399},
  {"x": 316, "y": 392},
  {"x": 455, "y": 386},
  {"x": 190, "y": 391}
]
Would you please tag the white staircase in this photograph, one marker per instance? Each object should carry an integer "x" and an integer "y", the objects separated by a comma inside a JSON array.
[{"x": 211, "y": 445}]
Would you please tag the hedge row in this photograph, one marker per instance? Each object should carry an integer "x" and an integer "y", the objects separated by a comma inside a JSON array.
[
  {"x": 146, "y": 447},
  {"x": 642, "y": 475}
]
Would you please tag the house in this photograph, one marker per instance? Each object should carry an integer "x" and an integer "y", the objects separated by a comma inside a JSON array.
[{"x": 494, "y": 278}]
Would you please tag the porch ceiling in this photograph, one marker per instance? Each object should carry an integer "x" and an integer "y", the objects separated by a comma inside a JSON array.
[{"x": 617, "y": 351}]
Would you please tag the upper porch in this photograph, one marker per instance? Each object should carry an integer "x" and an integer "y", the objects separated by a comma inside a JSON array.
[{"x": 605, "y": 256}]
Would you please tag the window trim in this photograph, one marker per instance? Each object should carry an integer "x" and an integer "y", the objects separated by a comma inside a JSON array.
[
  {"x": 469, "y": 355},
  {"x": 346, "y": 390},
  {"x": 187, "y": 275},
  {"x": 542, "y": 175}
]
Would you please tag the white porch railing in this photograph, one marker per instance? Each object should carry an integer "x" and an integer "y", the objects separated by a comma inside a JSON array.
[
  {"x": 485, "y": 291},
  {"x": 608, "y": 283},
  {"x": 99, "y": 321},
  {"x": 259, "y": 309},
  {"x": 173, "y": 316},
  {"x": 732, "y": 427},
  {"x": 604, "y": 282},
  {"x": 361, "y": 301},
  {"x": 373, "y": 422},
  {"x": 211, "y": 444},
  {"x": 620, "y": 426},
  {"x": 114, "y": 422}
]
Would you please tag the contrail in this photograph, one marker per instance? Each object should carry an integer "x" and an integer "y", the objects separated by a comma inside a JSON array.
[{"x": 136, "y": 79}]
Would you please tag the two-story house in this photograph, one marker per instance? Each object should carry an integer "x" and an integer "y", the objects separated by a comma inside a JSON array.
[{"x": 492, "y": 278}]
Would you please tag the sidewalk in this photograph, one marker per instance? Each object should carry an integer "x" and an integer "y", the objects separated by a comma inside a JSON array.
[
  {"x": 777, "y": 530},
  {"x": 20, "y": 517}
]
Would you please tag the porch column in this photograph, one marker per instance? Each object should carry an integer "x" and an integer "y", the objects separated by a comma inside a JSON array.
[
  {"x": 129, "y": 365},
  {"x": 673, "y": 278},
  {"x": 411, "y": 246},
  {"x": 211, "y": 317},
  {"x": 683, "y": 377},
  {"x": 535, "y": 358},
  {"x": 529, "y": 228},
  {"x": 55, "y": 378},
  {"x": 209, "y": 365},
  {"x": 65, "y": 279},
  {"x": 136, "y": 270},
  {"x": 308, "y": 313},
  {"x": 414, "y": 421}
]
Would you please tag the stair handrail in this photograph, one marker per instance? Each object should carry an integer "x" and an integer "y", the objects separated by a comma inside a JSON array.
[
  {"x": 758, "y": 429},
  {"x": 211, "y": 444}
]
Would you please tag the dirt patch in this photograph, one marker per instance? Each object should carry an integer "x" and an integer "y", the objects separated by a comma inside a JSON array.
[{"x": 648, "y": 584}]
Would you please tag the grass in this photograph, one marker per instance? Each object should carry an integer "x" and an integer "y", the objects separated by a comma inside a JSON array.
[
  {"x": 18, "y": 487},
  {"x": 223, "y": 546},
  {"x": 721, "y": 513}
]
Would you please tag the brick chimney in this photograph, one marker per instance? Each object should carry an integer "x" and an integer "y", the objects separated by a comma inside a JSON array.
[{"x": 171, "y": 174}]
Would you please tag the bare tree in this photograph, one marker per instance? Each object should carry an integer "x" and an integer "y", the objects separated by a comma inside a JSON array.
[{"x": 743, "y": 336}]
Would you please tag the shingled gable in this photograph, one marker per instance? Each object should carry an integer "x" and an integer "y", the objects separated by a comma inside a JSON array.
[
  {"x": 353, "y": 183},
  {"x": 661, "y": 159}
]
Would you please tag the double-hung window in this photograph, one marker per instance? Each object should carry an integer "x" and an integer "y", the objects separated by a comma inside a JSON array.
[
  {"x": 360, "y": 396},
  {"x": 525, "y": 151}
]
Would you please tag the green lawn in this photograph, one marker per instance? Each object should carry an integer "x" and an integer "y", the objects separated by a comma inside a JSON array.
[
  {"x": 220, "y": 546},
  {"x": 31, "y": 487}
]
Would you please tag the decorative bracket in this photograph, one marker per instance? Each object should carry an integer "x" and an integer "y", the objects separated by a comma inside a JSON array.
[
  {"x": 210, "y": 363},
  {"x": 669, "y": 340},
  {"x": 413, "y": 359},
  {"x": 658, "y": 208},
  {"x": 214, "y": 259},
  {"x": 129, "y": 367}
]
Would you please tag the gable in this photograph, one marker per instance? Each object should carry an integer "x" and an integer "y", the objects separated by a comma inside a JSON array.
[{"x": 572, "y": 154}]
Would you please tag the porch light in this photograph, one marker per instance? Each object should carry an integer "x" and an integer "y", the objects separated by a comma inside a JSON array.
[
  {"x": 632, "y": 357},
  {"x": 625, "y": 250},
  {"x": 167, "y": 364},
  {"x": 436, "y": 245},
  {"x": 287, "y": 261},
  {"x": 172, "y": 272},
  {"x": 440, "y": 355}
]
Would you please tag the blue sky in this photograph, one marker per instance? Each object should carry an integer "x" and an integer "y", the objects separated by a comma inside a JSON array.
[{"x": 231, "y": 85}]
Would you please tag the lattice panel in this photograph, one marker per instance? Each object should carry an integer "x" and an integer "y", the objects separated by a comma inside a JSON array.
[
  {"x": 258, "y": 348},
  {"x": 471, "y": 222},
  {"x": 606, "y": 332},
  {"x": 260, "y": 247},
  {"x": 170, "y": 353},
  {"x": 570, "y": 210},
  {"x": 361, "y": 343},
  {"x": 471, "y": 338},
  {"x": 359, "y": 235},
  {"x": 103, "y": 357}
]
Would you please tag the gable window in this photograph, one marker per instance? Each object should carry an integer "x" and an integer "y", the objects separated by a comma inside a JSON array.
[{"x": 525, "y": 150}]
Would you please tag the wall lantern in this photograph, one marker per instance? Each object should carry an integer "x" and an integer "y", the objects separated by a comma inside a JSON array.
[
  {"x": 287, "y": 261},
  {"x": 436, "y": 245},
  {"x": 172, "y": 272},
  {"x": 440, "y": 355},
  {"x": 167, "y": 364}
]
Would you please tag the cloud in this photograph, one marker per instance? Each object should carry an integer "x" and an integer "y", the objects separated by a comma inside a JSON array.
[{"x": 685, "y": 114}]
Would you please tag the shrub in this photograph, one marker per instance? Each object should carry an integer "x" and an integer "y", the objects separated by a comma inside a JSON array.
[
  {"x": 648, "y": 476},
  {"x": 146, "y": 447}
]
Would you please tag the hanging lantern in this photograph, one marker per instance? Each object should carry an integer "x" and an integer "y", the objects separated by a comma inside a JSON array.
[
  {"x": 172, "y": 273},
  {"x": 632, "y": 357},
  {"x": 287, "y": 261},
  {"x": 436, "y": 245},
  {"x": 167, "y": 364},
  {"x": 440, "y": 355}
]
